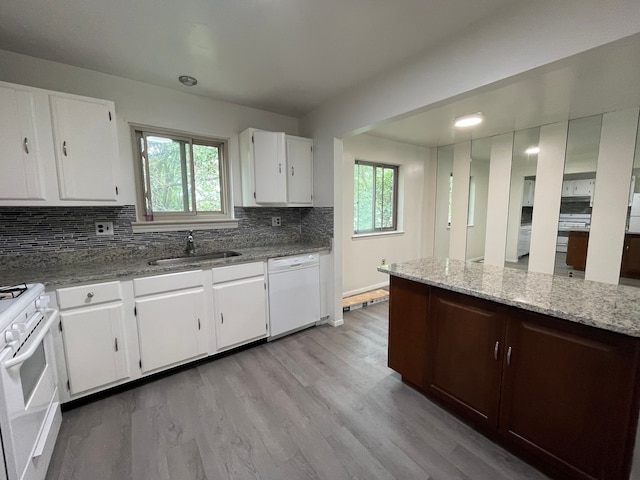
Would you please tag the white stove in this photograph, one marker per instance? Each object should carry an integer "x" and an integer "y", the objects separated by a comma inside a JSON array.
[{"x": 29, "y": 403}]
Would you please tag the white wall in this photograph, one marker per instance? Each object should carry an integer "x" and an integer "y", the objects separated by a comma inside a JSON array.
[
  {"x": 362, "y": 255},
  {"x": 476, "y": 233},
  {"x": 441, "y": 228},
  {"x": 146, "y": 104}
]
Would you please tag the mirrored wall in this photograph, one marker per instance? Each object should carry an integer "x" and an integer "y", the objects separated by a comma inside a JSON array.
[
  {"x": 578, "y": 187},
  {"x": 444, "y": 191},
  {"x": 521, "y": 197},
  {"x": 630, "y": 266},
  {"x": 478, "y": 196}
]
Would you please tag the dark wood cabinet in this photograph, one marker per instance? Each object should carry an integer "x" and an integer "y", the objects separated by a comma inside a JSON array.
[
  {"x": 560, "y": 394},
  {"x": 630, "y": 267},
  {"x": 409, "y": 306},
  {"x": 577, "y": 250},
  {"x": 465, "y": 352},
  {"x": 567, "y": 395}
]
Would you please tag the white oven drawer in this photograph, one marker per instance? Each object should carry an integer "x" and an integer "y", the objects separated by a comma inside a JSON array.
[{"x": 89, "y": 295}]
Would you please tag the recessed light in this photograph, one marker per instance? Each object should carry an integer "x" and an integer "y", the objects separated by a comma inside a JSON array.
[
  {"x": 187, "y": 80},
  {"x": 532, "y": 150},
  {"x": 469, "y": 120}
]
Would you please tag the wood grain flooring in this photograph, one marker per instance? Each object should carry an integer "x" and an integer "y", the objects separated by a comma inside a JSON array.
[{"x": 320, "y": 404}]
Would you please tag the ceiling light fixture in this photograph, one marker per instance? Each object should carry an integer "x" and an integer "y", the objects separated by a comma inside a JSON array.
[
  {"x": 187, "y": 80},
  {"x": 532, "y": 150},
  {"x": 469, "y": 120}
]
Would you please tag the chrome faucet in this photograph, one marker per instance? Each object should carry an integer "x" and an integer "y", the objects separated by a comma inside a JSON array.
[{"x": 191, "y": 246}]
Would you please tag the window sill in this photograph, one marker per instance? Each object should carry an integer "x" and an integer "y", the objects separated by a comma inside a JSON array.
[
  {"x": 377, "y": 234},
  {"x": 178, "y": 225}
]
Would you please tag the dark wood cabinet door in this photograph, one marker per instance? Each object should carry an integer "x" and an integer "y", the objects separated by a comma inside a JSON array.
[
  {"x": 577, "y": 250},
  {"x": 466, "y": 348},
  {"x": 408, "y": 309},
  {"x": 631, "y": 256},
  {"x": 568, "y": 395}
]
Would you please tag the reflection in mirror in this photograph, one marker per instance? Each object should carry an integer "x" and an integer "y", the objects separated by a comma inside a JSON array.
[
  {"x": 521, "y": 194},
  {"x": 630, "y": 268},
  {"x": 578, "y": 183},
  {"x": 478, "y": 196},
  {"x": 444, "y": 188}
]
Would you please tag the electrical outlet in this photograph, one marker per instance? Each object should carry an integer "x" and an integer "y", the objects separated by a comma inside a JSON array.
[
  {"x": 384, "y": 261},
  {"x": 276, "y": 221},
  {"x": 104, "y": 228}
]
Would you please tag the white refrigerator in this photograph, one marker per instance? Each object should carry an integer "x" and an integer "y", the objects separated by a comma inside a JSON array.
[{"x": 634, "y": 219}]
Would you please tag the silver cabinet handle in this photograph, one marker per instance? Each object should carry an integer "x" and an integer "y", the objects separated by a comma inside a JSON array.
[
  {"x": 292, "y": 171},
  {"x": 90, "y": 295},
  {"x": 495, "y": 351},
  {"x": 509, "y": 356},
  {"x": 64, "y": 148},
  {"x": 279, "y": 168},
  {"x": 222, "y": 318},
  {"x": 198, "y": 324},
  {"x": 25, "y": 143},
  {"x": 116, "y": 344}
]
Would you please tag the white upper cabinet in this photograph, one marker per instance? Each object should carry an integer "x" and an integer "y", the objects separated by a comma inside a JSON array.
[
  {"x": 299, "y": 170},
  {"x": 269, "y": 164},
  {"x": 528, "y": 193},
  {"x": 277, "y": 169},
  {"x": 57, "y": 149},
  {"x": 85, "y": 146},
  {"x": 21, "y": 176}
]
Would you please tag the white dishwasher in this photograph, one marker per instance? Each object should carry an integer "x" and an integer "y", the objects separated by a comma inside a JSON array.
[{"x": 294, "y": 293}]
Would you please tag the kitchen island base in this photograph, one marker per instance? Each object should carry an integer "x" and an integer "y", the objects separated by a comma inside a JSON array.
[{"x": 562, "y": 395}]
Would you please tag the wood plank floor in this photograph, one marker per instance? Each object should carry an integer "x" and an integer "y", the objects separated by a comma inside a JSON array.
[{"x": 320, "y": 404}]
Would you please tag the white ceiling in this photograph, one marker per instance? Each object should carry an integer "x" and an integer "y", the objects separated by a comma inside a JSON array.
[
  {"x": 285, "y": 56},
  {"x": 600, "y": 80}
]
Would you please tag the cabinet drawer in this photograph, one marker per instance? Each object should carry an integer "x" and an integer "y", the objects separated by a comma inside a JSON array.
[
  {"x": 167, "y": 283},
  {"x": 236, "y": 272},
  {"x": 89, "y": 295}
]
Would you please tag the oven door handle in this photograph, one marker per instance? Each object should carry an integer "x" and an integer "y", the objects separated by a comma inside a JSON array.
[{"x": 23, "y": 357}]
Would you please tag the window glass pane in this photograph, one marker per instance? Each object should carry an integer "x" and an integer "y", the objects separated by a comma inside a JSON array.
[
  {"x": 379, "y": 197},
  {"x": 206, "y": 162},
  {"x": 387, "y": 197},
  {"x": 363, "y": 195},
  {"x": 168, "y": 176}
]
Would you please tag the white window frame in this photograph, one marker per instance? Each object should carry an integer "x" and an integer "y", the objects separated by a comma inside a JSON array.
[
  {"x": 175, "y": 221},
  {"x": 396, "y": 183}
]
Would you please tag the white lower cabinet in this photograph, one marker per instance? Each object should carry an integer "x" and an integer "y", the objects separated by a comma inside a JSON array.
[
  {"x": 92, "y": 323},
  {"x": 239, "y": 298},
  {"x": 170, "y": 314}
]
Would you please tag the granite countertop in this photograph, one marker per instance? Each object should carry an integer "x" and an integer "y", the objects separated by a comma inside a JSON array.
[
  {"x": 68, "y": 269},
  {"x": 609, "y": 307}
]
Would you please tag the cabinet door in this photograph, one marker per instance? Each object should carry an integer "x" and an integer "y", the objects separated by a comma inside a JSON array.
[
  {"x": 86, "y": 148},
  {"x": 170, "y": 328},
  {"x": 408, "y": 330},
  {"x": 567, "y": 188},
  {"x": 568, "y": 395},
  {"x": 528, "y": 193},
  {"x": 577, "y": 250},
  {"x": 240, "y": 311},
  {"x": 269, "y": 167},
  {"x": 466, "y": 350},
  {"x": 19, "y": 162},
  {"x": 582, "y": 188},
  {"x": 94, "y": 346},
  {"x": 299, "y": 170},
  {"x": 631, "y": 257}
]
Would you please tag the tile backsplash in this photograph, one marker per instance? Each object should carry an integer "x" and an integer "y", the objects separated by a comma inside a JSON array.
[{"x": 63, "y": 229}]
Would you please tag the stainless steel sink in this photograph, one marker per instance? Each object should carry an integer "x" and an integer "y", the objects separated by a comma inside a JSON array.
[{"x": 195, "y": 258}]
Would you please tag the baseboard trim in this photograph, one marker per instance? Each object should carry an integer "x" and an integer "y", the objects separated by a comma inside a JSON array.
[{"x": 336, "y": 323}]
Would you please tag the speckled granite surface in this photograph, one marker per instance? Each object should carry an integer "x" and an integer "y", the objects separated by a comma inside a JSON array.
[
  {"x": 610, "y": 307},
  {"x": 75, "y": 268}
]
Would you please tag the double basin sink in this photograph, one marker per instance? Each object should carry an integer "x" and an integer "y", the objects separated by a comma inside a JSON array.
[{"x": 195, "y": 258}]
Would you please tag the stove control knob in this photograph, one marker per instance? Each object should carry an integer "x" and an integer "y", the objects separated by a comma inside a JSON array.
[
  {"x": 12, "y": 336},
  {"x": 20, "y": 327},
  {"x": 42, "y": 302}
]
